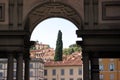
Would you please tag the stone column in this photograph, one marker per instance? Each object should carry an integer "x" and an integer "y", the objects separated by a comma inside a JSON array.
[
  {"x": 19, "y": 72},
  {"x": 85, "y": 66},
  {"x": 26, "y": 71},
  {"x": 10, "y": 67},
  {"x": 94, "y": 69}
]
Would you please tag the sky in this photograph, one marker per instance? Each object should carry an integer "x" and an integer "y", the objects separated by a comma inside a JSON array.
[{"x": 46, "y": 32}]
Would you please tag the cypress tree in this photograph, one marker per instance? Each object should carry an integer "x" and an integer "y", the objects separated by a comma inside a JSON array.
[{"x": 59, "y": 47}]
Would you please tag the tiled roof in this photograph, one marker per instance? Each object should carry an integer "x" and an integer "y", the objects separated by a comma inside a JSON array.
[
  {"x": 63, "y": 63},
  {"x": 71, "y": 61}
]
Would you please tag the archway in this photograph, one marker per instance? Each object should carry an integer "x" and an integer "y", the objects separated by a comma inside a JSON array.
[{"x": 48, "y": 10}]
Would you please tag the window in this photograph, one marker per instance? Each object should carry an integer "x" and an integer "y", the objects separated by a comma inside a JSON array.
[
  {"x": 41, "y": 73},
  {"x": 62, "y": 71},
  {"x": 71, "y": 71},
  {"x": 14, "y": 73},
  {"x": 0, "y": 66},
  {"x": 53, "y": 79},
  {"x": 89, "y": 66},
  {"x": 79, "y": 71},
  {"x": 111, "y": 76},
  {"x": 62, "y": 79},
  {"x": 1, "y": 74},
  {"x": 40, "y": 65},
  {"x": 101, "y": 76},
  {"x": 71, "y": 78},
  {"x": 15, "y": 66},
  {"x": 2, "y": 11},
  {"x": 111, "y": 67},
  {"x": 54, "y": 72},
  {"x": 31, "y": 73},
  {"x": 101, "y": 67},
  {"x": 31, "y": 65},
  {"x": 45, "y": 79},
  {"x": 45, "y": 72}
]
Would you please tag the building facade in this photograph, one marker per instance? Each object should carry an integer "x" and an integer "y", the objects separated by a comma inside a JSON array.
[
  {"x": 3, "y": 69},
  {"x": 70, "y": 69},
  {"x": 109, "y": 69},
  {"x": 36, "y": 69},
  {"x": 63, "y": 72}
]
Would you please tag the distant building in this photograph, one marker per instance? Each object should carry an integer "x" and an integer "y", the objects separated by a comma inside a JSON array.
[
  {"x": 70, "y": 69},
  {"x": 42, "y": 51},
  {"x": 109, "y": 69},
  {"x": 36, "y": 69}
]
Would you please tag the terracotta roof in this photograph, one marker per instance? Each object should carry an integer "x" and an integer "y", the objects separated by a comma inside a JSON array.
[
  {"x": 72, "y": 61},
  {"x": 63, "y": 63}
]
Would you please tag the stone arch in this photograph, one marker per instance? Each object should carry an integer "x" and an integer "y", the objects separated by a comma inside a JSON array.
[{"x": 51, "y": 9}]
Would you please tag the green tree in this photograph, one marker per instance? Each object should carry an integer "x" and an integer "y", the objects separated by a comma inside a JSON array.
[
  {"x": 75, "y": 47},
  {"x": 59, "y": 47},
  {"x": 72, "y": 48},
  {"x": 66, "y": 51}
]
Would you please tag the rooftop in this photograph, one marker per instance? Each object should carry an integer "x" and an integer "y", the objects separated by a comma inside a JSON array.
[{"x": 72, "y": 60}]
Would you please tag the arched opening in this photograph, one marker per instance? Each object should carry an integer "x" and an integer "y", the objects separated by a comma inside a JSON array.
[
  {"x": 45, "y": 33},
  {"x": 51, "y": 10}
]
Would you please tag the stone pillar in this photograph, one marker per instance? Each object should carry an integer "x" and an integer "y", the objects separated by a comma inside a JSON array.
[
  {"x": 26, "y": 71},
  {"x": 94, "y": 69},
  {"x": 10, "y": 67},
  {"x": 19, "y": 72},
  {"x": 85, "y": 66}
]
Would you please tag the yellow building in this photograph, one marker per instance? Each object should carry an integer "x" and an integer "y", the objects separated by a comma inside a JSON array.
[
  {"x": 109, "y": 69},
  {"x": 70, "y": 69}
]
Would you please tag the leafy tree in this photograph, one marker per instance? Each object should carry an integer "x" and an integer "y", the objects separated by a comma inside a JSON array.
[
  {"x": 75, "y": 47},
  {"x": 72, "y": 48},
  {"x": 66, "y": 51},
  {"x": 59, "y": 47}
]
